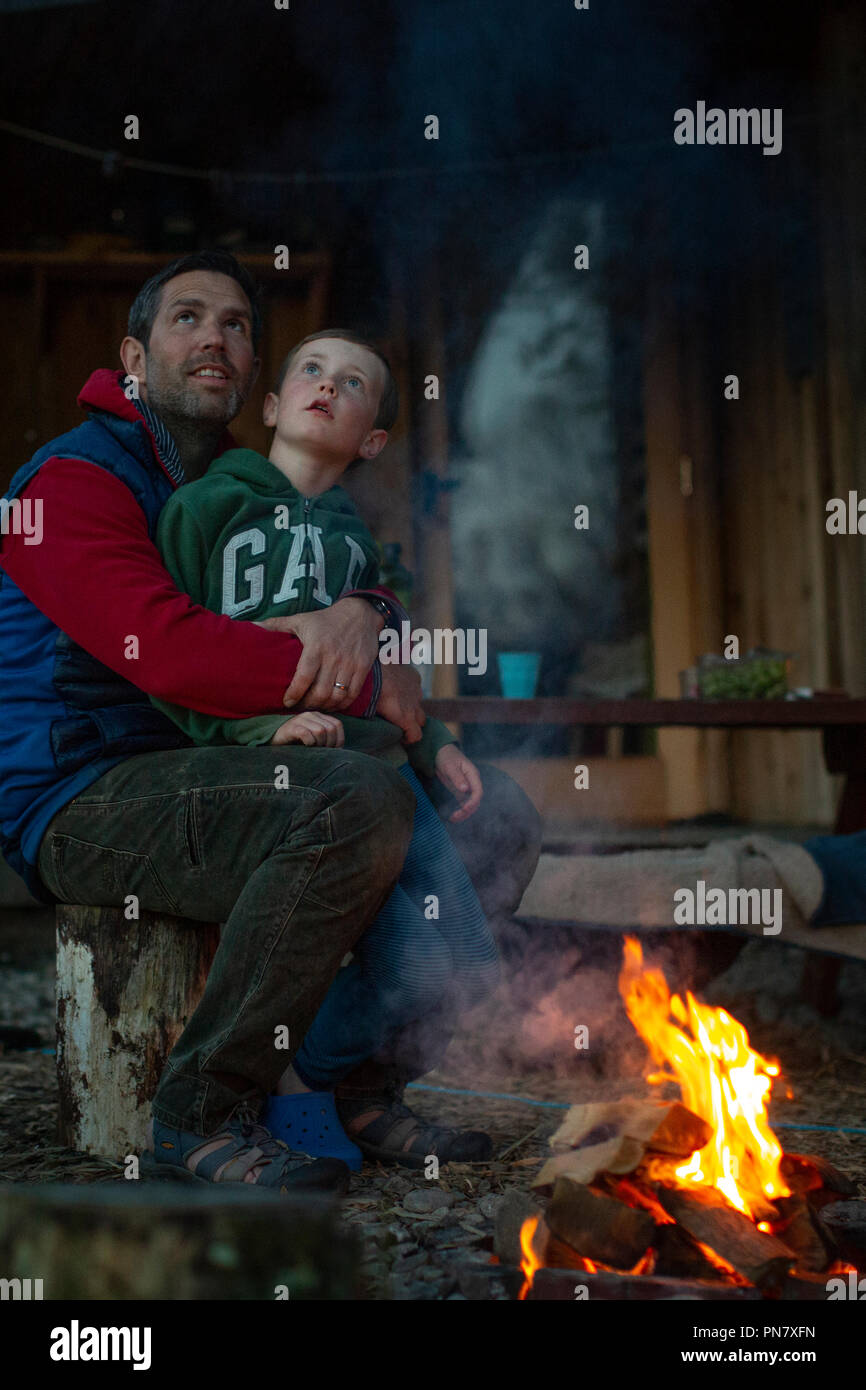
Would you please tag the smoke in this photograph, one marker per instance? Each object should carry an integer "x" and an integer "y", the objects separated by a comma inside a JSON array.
[{"x": 556, "y": 1016}]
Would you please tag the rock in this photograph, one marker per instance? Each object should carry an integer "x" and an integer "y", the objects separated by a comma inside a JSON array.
[
  {"x": 425, "y": 1200},
  {"x": 397, "y": 1186},
  {"x": 457, "y": 1236},
  {"x": 397, "y": 1234},
  {"x": 489, "y": 1205},
  {"x": 407, "y": 1258}
]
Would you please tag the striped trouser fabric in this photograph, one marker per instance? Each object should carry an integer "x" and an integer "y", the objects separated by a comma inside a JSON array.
[{"x": 430, "y": 942}]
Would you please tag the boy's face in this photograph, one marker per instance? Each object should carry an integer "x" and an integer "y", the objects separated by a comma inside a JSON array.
[
  {"x": 328, "y": 401},
  {"x": 200, "y": 363}
]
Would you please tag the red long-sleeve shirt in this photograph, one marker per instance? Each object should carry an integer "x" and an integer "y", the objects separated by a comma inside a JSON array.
[{"x": 99, "y": 578}]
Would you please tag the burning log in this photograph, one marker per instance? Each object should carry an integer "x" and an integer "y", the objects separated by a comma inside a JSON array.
[
  {"x": 800, "y": 1173},
  {"x": 679, "y": 1256},
  {"x": 758, "y": 1256},
  {"x": 802, "y": 1287},
  {"x": 662, "y": 1127},
  {"x": 598, "y": 1227},
  {"x": 829, "y": 1183},
  {"x": 846, "y": 1225},
  {"x": 799, "y": 1229},
  {"x": 515, "y": 1208},
  {"x": 560, "y": 1285}
]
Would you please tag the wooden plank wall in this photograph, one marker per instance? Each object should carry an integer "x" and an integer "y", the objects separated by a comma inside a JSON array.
[
  {"x": 748, "y": 553},
  {"x": 776, "y": 555},
  {"x": 684, "y": 534},
  {"x": 72, "y": 313}
]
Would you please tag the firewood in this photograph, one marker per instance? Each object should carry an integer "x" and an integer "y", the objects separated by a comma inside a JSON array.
[
  {"x": 565, "y": 1285},
  {"x": 554, "y": 1253},
  {"x": 663, "y": 1127},
  {"x": 761, "y": 1258},
  {"x": 614, "y": 1156},
  {"x": 846, "y": 1224},
  {"x": 833, "y": 1183},
  {"x": 515, "y": 1208},
  {"x": 680, "y": 1257},
  {"x": 800, "y": 1173},
  {"x": 799, "y": 1228},
  {"x": 598, "y": 1227},
  {"x": 833, "y": 1180},
  {"x": 635, "y": 1191}
]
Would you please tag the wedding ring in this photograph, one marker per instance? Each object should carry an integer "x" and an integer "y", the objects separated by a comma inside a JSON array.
[{"x": 338, "y": 686}]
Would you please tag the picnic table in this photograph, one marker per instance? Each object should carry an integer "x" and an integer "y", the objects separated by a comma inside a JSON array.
[{"x": 840, "y": 718}]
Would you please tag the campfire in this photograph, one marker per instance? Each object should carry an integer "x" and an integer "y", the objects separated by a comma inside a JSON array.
[{"x": 652, "y": 1196}]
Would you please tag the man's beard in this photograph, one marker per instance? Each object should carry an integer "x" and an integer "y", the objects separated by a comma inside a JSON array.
[{"x": 178, "y": 402}]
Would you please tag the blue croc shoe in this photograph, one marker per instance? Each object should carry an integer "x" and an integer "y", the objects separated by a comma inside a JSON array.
[{"x": 309, "y": 1122}]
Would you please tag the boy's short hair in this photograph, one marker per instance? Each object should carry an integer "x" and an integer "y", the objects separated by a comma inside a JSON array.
[
  {"x": 145, "y": 306},
  {"x": 389, "y": 403}
]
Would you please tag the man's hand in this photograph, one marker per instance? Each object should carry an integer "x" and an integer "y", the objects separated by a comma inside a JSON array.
[
  {"x": 400, "y": 700},
  {"x": 340, "y": 645},
  {"x": 462, "y": 779}
]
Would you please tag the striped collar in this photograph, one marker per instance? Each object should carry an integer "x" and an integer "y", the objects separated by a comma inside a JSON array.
[{"x": 168, "y": 451}]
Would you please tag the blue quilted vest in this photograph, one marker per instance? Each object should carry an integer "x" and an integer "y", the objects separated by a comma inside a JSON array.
[{"x": 65, "y": 719}]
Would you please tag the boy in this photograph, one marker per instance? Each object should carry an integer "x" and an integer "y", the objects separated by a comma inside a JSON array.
[{"x": 258, "y": 538}]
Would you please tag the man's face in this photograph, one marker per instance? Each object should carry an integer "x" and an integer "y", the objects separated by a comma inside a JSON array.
[
  {"x": 200, "y": 364},
  {"x": 328, "y": 401}
]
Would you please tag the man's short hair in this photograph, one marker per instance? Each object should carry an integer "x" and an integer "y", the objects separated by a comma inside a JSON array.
[
  {"x": 146, "y": 303},
  {"x": 389, "y": 403}
]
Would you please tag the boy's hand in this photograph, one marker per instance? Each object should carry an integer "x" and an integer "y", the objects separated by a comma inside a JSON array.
[
  {"x": 313, "y": 729},
  {"x": 400, "y": 700},
  {"x": 462, "y": 778}
]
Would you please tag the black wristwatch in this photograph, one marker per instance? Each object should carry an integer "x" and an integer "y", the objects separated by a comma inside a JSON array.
[{"x": 380, "y": 606}]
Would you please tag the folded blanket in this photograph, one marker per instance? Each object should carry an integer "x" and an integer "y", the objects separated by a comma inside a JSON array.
[{"x": 750, "y": 881}]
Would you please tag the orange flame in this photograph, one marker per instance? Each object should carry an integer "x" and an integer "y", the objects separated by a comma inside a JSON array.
[
  {"x": 721, "y": 1078},
  {"x": 530, "y": 1262}
]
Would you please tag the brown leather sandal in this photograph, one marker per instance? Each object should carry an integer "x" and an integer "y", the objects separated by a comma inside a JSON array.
[{"x": 393, "y": 1134}]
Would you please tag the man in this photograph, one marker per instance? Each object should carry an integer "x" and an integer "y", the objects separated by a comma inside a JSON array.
[{"x": 103, "y": 797}]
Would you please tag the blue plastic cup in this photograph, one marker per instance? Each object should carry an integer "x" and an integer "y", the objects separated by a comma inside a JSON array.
[{"x": 518, "y": 674}]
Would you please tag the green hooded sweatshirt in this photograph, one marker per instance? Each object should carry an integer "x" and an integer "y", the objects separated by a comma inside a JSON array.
[{"x": 244, "y": 542}]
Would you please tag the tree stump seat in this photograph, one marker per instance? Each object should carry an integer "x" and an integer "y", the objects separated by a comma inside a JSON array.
[{"x": 125, "y": 990}]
